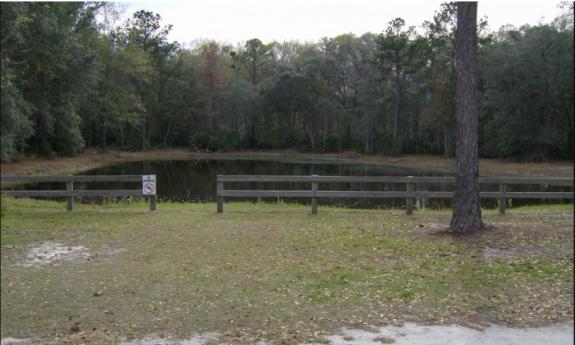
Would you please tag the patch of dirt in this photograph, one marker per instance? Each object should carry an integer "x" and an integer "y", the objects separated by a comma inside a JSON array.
[
  {"x": 198, "y": 339},
  {"x": 93, "y": 337},
  {"x": 53, "y": 253},
  {"x": 510, "y": 240},
  {"x": 412, "y": 334},
  {"x": 13, "y": 341},
  {"x": 442, "y": 231},
  {"x": 408, "y": 333},
  {"x": 512, "y": 253}
]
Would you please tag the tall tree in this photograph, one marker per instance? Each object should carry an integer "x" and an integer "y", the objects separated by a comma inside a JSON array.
[
  {"x": 49, "y": 65},
  {"x": 441, "y": 37},
  {"x": 73, "y": 75},
  {"x": 527, "y": 97},
  {"x": 255, "y": 55},
  {"x": 16, "y": 125},
  {"x": 298, "y": 93},
  {"x": 145, "y": 31},
  {"x": 466, "y": 209},
  {"x": 399, "y": 60}
]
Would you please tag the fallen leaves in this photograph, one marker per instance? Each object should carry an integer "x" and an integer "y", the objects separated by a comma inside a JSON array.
[{"x": 285, "y": 277}]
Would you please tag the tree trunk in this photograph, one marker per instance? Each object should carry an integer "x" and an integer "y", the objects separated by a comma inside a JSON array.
[
  {"x": 254, "y": 80},
  {"x": 44, "y": 137},
  {"x": 168, "y": 132},
  {"x": 311, "y": 139},
  {"x": 448, "y": 141},
  {"x": 103, "y": 136},
  {"x": 308, "y": 126},
  {"x": 348, "y": 131},
  {"x": 396, "y": 139},
  {"x": 325, "y": 131},
  {"x": 416, "y": 128},
  {"x": 122, "y": 135},
  {"x": 367, "y": 145},
  {"x": 90, "y": 133},
  {"x": 143, "y": 133},
  {"x": 466, "y": 209}
]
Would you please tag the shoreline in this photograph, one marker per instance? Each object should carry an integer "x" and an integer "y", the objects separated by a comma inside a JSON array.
[{"x": 93, "y": 159}]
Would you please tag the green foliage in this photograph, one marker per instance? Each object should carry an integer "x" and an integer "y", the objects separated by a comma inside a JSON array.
[
  {"x": 255, "y": 60},
  {"x": 527, "y": 104},
  {"x": 50, "y": 59},
  {"x": 15, "y": 125},
  {"x": 207, "y": 141},
  {"x": 69, "y": 81},
  {"x": 400, "y": 57}
]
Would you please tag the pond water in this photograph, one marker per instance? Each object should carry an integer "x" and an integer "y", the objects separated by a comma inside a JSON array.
[{"x": 195, "y": 180}]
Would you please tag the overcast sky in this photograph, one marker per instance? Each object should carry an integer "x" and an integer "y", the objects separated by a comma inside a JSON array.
[{"x": 234, "y": 21}]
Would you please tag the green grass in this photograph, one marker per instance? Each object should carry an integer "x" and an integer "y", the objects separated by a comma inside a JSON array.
[{"x": 274, "y": 272}]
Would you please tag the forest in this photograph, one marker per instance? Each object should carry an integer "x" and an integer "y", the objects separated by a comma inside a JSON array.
[{"x": 74, "y": 75}]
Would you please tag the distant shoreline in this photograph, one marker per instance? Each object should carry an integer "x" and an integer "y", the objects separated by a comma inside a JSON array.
[{"x": 93, "y": 159}]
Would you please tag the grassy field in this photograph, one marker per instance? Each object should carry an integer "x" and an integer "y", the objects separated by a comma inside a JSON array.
[{"x": 273, "y": 272}]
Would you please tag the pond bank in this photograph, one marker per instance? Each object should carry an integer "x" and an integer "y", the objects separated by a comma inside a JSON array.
[{"x": 93, "y": 159}]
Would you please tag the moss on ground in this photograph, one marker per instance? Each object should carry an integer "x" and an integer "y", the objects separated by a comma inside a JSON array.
[{"x": 271, "y": 271}]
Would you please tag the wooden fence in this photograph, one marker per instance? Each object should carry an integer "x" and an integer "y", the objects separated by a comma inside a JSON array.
[
  {"x": 410, "y": 192},
  {"x": 70, "y": 193}
]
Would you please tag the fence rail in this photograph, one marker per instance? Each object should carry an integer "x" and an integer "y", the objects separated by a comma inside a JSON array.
[
  {"x": 410, "y": 193},
  {"x": 70, "y": 193}
]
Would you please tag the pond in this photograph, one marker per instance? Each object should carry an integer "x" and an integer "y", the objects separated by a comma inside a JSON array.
[{"x": 195, "y": 180}]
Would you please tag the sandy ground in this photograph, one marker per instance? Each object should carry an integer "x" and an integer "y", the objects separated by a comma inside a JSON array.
[
  {"x": 93, "y": 159},
  {"x": 414, "y": 334},
  {"x": 408, "y": 334}
]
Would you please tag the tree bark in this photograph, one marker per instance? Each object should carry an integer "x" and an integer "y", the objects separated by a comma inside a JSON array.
[
  {"x": 254, "y": 61},
  {"x": 448, "y": 141},
  {"x": 103, "y": 136},
  {"x": 396, "y": 138},
  {"x": 466, "y": 209},
  {"x": 309, "y": 129},
  {"x": 90, "y": 133},
  {"x": 144, "y": 146},
  {"x": 325, "y": 129},
  {"x": 168, "y": 132}
]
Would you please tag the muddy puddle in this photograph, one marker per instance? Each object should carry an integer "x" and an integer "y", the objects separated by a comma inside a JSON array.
[{"x": 54, "y": 253}]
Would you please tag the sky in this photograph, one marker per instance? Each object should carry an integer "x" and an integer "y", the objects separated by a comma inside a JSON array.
[{"x": 235, "y": 21}]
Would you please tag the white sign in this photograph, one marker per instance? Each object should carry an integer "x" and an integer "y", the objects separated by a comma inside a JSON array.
[{"x": 149, "y": 184}]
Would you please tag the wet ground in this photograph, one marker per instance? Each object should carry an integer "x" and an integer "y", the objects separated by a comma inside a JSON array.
[
  {"x": 414, "y": 334},
  {"x": 407, "y": 334}
]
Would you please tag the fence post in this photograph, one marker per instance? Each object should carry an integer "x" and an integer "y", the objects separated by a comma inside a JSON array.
[
  {"x": 152, "y": 202},
  {"x": 421, "y": 202},
  {"x": 313, "y": 198},
  {"x": 219, "y": 197},
  {"x": 543, "y": 188},
  {"x": 70, "y": 201},
  {"x": 502, "y": 201},
  {"x": 409, "y": 201}
]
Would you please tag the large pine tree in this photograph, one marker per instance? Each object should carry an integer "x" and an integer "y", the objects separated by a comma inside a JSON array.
[{"x": 466, "y": 210}]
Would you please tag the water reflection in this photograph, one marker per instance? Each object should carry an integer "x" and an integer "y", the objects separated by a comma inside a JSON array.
[{"x": 195, "y": 180}]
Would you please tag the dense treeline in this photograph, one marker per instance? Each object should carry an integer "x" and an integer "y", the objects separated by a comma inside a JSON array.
[{"x": 74, "y": 76}]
